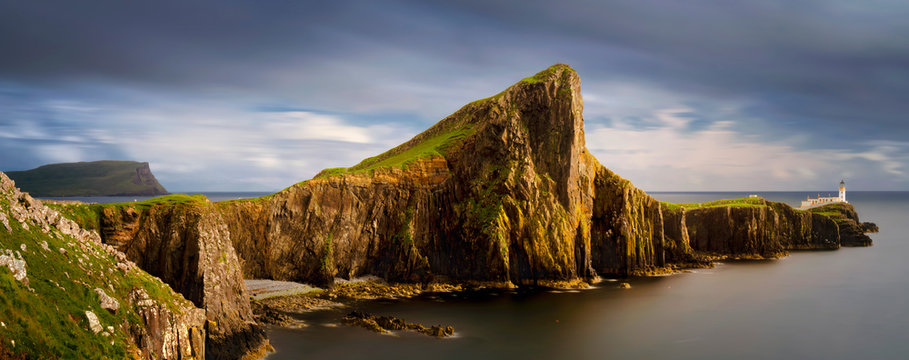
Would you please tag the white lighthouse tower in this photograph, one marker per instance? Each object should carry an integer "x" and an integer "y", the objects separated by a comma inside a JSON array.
[{"x": 843, "y": 190}]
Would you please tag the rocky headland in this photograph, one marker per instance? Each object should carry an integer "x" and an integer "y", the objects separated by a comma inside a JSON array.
[
  {"x": 501, "y": 193},
  {"x": 94, "y": 178}
]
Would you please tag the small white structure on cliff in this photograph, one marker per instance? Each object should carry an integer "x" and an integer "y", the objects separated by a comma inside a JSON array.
[{"x": 810, "y": 203}]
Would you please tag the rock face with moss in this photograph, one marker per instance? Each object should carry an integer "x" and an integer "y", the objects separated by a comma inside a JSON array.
[
  {"x": 852, "y": 231},
  {"x": 184, "y": 241},
  {"x": 67, "y": 295},
  {"x": 748, "y": 228},
  {"x": 501, "y": 191}
]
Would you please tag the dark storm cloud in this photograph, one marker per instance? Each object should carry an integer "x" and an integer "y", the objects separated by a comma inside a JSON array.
[{"x": 821, "y": 69}]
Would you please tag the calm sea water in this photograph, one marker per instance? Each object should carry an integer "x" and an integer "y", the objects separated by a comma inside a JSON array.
[{"x": 852, "y": 303}]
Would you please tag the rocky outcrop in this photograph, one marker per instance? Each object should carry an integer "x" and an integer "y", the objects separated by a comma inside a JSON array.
[
  {"x": 65, "y": 262},
  {"x": 852, "y": 231},
  {"x": 188, "y": 246},
  {"x": 763, "y": 229},
  {"x": 513, "y": 197},
  {"x": 164, "y": 330}
]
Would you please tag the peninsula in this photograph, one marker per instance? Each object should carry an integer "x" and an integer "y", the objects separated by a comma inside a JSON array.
[{"x": 501, "y": 193}]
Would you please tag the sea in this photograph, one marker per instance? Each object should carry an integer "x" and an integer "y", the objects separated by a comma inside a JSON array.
[{"x": 851, "y": 303}]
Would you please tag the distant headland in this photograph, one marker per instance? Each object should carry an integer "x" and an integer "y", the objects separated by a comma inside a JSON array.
[{"x": 95, "y": 178}]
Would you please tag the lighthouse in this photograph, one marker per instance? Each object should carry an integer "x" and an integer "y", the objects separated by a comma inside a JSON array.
[{"x": 843, "y": 190}]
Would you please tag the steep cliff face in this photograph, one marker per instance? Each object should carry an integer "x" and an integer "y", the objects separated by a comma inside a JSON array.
[
  {"x": 852, "y": 231},
  {"x": 508, "y": 198},
  {"x": 67, "y": 295},
  {"x": 762, "y": 229},
  {"x": 188, "y": 246}
]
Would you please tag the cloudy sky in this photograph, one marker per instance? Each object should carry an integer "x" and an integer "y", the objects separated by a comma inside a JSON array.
[{"x": 257, "y": 95}]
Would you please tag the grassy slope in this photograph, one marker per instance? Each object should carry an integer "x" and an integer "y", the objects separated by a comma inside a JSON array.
[
  {"x": 404, "y": 154},
  {"x": 50, "y": 322},
  {"x": 743, "y": 202},
  {"x": 95, "y": 178},
  {"x": 837, "y": 212}
]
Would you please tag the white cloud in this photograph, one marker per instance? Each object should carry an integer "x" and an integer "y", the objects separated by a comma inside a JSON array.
[{"x": 670, "y": 156}]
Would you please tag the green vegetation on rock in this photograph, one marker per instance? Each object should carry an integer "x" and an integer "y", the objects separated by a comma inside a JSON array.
[
  {"x": 96, "y": 178},
  {"x": 46, "y": 317}
]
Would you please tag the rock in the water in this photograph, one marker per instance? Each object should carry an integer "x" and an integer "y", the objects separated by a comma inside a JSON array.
[
  {"x": 93, "y": 323},
  {"x": 108, "y": 303},
  {"x": 382, "y": 324},
  {"x": 624, "y": 285}
]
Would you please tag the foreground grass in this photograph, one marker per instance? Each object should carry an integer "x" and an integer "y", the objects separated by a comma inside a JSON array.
[{"x": 46, "y": 319}]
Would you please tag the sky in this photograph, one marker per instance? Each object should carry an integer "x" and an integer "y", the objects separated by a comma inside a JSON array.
[{"x": 228, "y": 95}]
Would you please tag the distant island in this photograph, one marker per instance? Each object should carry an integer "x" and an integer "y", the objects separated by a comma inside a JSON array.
[{"x": 95, "y": 178}]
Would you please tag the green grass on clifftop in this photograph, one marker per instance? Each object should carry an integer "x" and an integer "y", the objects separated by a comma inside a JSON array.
[
  {"x": 404, "y": 154},
  {"x": 88, "y": 215},
  {"x": 743, "y": 202}
]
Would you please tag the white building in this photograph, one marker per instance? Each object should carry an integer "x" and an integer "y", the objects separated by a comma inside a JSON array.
[{"x": 819, "y": 201}]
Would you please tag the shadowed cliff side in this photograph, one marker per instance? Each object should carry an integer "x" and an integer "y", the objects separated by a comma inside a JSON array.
[
  {"x": 749, "y": 228},
  {"x": 186, "y": 244}
]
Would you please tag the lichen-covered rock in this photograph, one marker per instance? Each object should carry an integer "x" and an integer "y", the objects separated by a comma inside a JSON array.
[
  {"x": 93, "y": 323},
  {"x": 16, "y": 265},
  {"x": 167, "y": 333},
  {"x": 107, "y": 303}
]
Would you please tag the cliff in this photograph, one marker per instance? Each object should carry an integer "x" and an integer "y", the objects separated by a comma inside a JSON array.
[
  {"x": 852, "y": 231},
  {"x": 501, "y": 191},
  {"x": 67, "y": 295},
  {"x": 96, "y": 178},
  {"x": 184, "y": 241},
  {"x": 749, "y": 228}
]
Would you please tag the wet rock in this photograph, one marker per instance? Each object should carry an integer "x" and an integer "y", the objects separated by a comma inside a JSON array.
[
  {"x": 624, "y": 285},
  {"x": 384, "y": 324}
]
